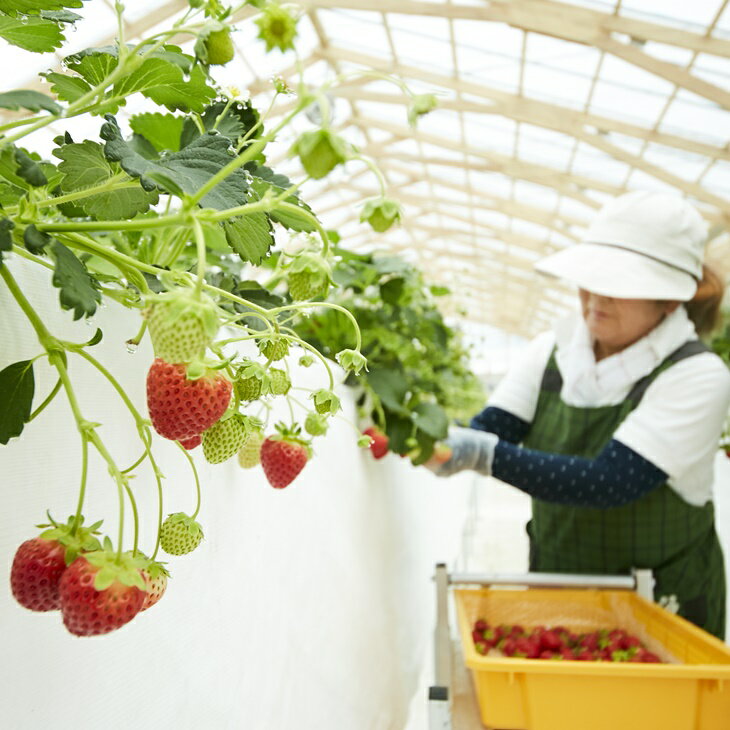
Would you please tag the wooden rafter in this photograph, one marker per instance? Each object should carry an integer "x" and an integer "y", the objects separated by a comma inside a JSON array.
[{"x": 515, "y": 106}]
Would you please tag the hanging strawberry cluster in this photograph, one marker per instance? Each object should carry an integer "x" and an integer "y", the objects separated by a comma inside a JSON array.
[{"x": 165, "y": 218}]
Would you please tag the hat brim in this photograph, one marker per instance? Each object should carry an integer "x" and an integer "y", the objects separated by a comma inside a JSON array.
[{"x": 618, "y": 273}]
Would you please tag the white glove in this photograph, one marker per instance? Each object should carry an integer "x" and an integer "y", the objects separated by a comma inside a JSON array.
[{"x": 470, "y": 449}]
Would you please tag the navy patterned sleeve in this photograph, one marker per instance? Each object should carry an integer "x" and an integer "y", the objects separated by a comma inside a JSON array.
[
  {"x": 617, "y": 476},
  {"x": 502, "y": 423}
]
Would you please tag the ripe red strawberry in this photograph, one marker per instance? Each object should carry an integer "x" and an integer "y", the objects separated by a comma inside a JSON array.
[
  {"x": 181, "y": 407},
  {"x": 155, "y": 576},
  {"x": 180, "y": 534},
  {"x": 480, "y": 625},
  {"x": 283, "y": 456},
  {"x": 481, "y": 647},
  {"x": 101, "y": 593},
  {"x": 379, "y": 444},
  {"x": 224, "y": 438},
  {"x": 250, "y": 453},
  {"x": 191, "y": 443},
  {"x": 36, "y": 572},
  {"x": 528, "y": 647},
  {"x": 40, "y": 562},
  {"x": 509, "y": 647},
  {"x": 550, "y": 641},
  {"x": 181, "y": 324}
]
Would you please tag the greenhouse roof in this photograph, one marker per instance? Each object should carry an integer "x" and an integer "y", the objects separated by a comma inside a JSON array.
[{"x": 546, "y": 110}]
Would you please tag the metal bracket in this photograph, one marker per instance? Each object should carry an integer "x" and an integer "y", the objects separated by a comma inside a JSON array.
[{"x": 439, "y": 710}]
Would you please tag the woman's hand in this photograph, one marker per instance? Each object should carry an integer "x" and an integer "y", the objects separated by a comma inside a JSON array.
[{"x": 465, "y": 448}]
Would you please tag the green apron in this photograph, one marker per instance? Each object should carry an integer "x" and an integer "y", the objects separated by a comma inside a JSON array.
[{"x": 659, "y": 531}]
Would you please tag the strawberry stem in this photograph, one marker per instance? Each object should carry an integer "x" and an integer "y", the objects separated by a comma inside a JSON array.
[
  {"x": 135, "y": 516},
  {"x": 140, "y": 334},
  {"x": 197, "y": 481},
  {"x": 82, "y": 489},
  {"x": 48, "y": 399},
  {"x": 202, "y": 256},
  {"x": 57, "y": 358}
]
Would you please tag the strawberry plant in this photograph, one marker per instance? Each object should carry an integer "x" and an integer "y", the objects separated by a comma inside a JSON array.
[
  {"x": 170, "y": 211},
  {"x": 418, "y": 378}
]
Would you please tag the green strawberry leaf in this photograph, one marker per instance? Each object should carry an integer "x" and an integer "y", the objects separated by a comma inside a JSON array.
[
  {"x": 431, "y": 419},
  {"x": 35, "y": 240},
  {"x": 17, "y": 386},
  {"x": 189, "y": 169},
  {"x": 160, "y": 77},
  {"x": 62, "y": 16},
  {"x": 152, "y": 73},
  {"x": 249, "y": 236},
  {"x": 265, "y": 180},
  {"x": 29, "y": 170},
  {"x": 65, "y": 87},
  {"x": 391, "y": 387},
  {"x": 162, "y": 131},
  {"x": 28, "y": 99},
  {"x": 79, "y": 290},
  {"x": 31, "y": 34},
  {"x": 191, "y": 95},
  {"x": 33, "y": 7},
  {"x": 237, "y": 121},
  {"x": 84, "y": 165}
]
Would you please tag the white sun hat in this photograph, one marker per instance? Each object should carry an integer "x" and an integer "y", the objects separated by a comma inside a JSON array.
[{"x": 641, "y": 245}]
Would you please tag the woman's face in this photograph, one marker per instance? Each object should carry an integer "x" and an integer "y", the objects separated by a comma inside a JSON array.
[{"x": 617, "y": 323}]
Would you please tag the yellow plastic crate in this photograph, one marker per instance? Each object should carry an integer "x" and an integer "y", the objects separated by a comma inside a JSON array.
[{"x": 692, "y": 693}]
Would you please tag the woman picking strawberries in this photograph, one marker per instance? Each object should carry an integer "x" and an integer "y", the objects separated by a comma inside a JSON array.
[{"x": 611, "y": 421}]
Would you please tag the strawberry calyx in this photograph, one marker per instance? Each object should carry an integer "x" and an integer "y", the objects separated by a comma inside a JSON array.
[
  {"x": 353, "y": 361},
  {"x": 124, "y": 568},
  {"x": 325, "y": 402},
  {"x": 252, "y": 380},
  {"x": 381, "y": 213},
  {"x": 75, "y": 538},
  {"x": 292, "y": 435},
  {"x": 273, "y": 346}
]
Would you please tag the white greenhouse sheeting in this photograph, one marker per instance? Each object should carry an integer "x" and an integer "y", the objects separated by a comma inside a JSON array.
[{"x": 309, "y": 607}]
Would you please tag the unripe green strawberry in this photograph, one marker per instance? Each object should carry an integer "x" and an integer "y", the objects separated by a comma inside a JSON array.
[
  {"x": 315, "y": 424},
  {"x": 180, "y": 534},
  {"x": 250, "y": 453},
  {"x": 219, "y": 47},
  {"x": 307, "y": 285},
  {"x": 224, "y": 438},
  {"x": 181, "y": 325},
  {"x": 325, "y": 402},
  {"x": 273, "y": 347},
  {"x": 252, "y": 381},
  {"x": 280, "y": 383}
]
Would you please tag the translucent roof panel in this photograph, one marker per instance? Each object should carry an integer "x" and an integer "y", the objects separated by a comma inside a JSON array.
[{"x": 546, "y": 110}]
